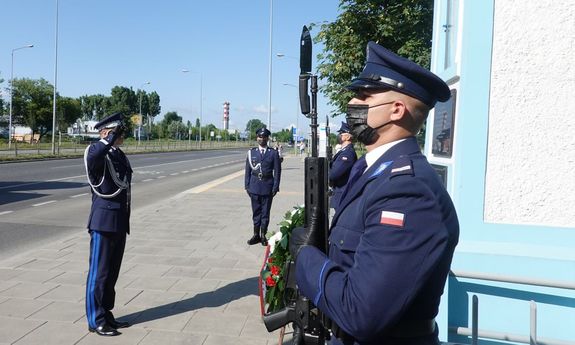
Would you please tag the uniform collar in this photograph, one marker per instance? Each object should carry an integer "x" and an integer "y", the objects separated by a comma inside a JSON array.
[{"x": 373, "y": 156}]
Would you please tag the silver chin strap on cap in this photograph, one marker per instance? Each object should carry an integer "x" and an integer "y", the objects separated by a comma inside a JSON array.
[{"x": 115, "y": 177}]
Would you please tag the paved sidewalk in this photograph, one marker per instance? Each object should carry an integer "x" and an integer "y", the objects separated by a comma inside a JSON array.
[{"x": 188, "y": 276}]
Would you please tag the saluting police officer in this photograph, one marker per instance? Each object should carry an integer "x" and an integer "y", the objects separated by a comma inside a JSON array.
[
  {"x": 262, "y": 182},
  {"x": 109, "y": 175},
  {"x": 341, "y": 164},
  {"x": 393, "y": 236}
]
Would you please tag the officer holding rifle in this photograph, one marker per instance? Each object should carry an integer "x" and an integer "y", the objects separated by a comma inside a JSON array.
[{"x": 393, "y": 235}]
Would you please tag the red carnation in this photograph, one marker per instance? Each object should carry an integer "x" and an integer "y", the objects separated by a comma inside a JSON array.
[
  {"x": 270, "y": 281},
  {"x": 275, "y": 270},
  {"x": 270, "y": 259}
]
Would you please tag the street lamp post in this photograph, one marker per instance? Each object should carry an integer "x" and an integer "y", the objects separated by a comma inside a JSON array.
[
  {"x": 201, "y": 97},
  {"x": 55, "y": 83},
  {"x": 141, "y": 116},
  {"x": 270, "y": 68},
  {"x": 296, "y": 117},
  {"x": 11, "y": 92}
]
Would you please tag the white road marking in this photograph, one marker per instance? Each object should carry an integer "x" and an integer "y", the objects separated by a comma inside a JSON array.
[
  {"x": 44, "y": 203},
  {"x": 78, "y": 195},
  {"x": 174, "y": 174},
  {"x": 5, "y": 212},
  {"x": 148, "y": 180},
  {"x": 159, "y": 177},
  {"x": 212, "y": 184},
  {"x": 148, "y": 166},
  {"x": 185, "y": 171}
]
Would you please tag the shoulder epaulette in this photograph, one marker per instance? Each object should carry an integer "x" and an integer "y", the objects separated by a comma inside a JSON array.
[{"x": 401, "y": 166}]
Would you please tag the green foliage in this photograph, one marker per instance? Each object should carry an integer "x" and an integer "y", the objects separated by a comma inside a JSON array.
[
  {"x": 283, "y": 136},
  {"x": 402, "y": 26},
  {"x": 94, "y": 107},
  {"x": 68, "y": 109},
  {"x": 32, "y": 104},
  {"x": 273, "y": 273},
  {"x": 154, "y": 107},
  {"x": 252, "y": 126}
]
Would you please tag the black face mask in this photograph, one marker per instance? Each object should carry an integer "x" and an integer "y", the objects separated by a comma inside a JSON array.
[{"x": 356, "y": 118}]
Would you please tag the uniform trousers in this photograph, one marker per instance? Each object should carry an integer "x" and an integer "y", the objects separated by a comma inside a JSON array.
[
  {"x": 261, "y": 206},
  {"x": 106, "y": 252}
]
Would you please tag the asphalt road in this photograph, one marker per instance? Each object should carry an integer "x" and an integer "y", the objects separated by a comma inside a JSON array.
[{"x": 43, "y": 200}]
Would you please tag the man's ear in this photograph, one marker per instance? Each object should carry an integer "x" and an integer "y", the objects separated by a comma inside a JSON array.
[{"x": 399, "y": 110}]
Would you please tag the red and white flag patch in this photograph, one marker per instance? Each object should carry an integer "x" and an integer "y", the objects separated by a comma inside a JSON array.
[{"x": 392, "y": 218}]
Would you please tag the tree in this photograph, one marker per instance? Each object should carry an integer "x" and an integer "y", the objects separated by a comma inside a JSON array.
[
  {"x": 32, "y": 104},
  {"x": 67, "y": 112},
  {"x": 284, "y": 136},
  {"x": 253, "y": 125},
  {"x": 402, "y": 26},
  {"x": 94, "y": 107},
  {"x": 123, "y": 100},
  {"x": 2, "y": 105},
  {"x": 154, "y": 107}
]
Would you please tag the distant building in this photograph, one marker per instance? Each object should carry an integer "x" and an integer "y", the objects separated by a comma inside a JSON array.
[{"x": 83, "y": 129}]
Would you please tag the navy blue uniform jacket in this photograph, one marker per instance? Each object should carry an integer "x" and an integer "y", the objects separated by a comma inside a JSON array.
[
  {"x": 108, "y": 214},
  {"x": 390, "y": 249},
  {"x": 339, "y": 170},
  {"x": 269, "y": 165}
]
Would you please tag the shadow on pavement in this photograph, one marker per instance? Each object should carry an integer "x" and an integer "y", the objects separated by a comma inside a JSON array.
[
  {"x": 16, "y": 191},
  {"x": 216, "y": 298}
]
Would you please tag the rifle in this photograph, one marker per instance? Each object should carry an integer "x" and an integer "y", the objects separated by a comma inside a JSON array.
[{"x": 309, "y": 323}]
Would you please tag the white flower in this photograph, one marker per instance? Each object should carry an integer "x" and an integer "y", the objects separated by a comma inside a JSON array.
[{"x": 273, "y": 240}]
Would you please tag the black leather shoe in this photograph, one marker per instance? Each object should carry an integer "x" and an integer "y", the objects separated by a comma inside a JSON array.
[
  {"x": 264, "y": 241},
  {"x": 105, "y": 331},
  {"x": 254, "y": 240},
  {"x": 118, "y": 324}
]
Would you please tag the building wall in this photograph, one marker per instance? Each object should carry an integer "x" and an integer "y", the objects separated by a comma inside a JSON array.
[
  {"x": 512, "y": 123},
  {"x": 531, "y": 146}
]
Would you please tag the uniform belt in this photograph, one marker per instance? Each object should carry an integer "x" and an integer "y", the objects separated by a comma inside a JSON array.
[
  {"x": 262, "y": 176},
  {"x": 405, "y": 329}
]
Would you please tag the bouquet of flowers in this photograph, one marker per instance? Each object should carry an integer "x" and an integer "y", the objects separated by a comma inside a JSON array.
[{"x": 273, "y": 271}]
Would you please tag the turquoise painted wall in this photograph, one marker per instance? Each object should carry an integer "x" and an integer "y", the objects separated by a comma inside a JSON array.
[{"x": 536, "y": 252}]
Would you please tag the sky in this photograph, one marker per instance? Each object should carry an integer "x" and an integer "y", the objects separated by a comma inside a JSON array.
[{"x": 225, "y": 44}]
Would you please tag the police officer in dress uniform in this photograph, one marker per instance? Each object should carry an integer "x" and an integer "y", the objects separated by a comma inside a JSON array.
[
  {"x": 262, "y": 182},
  {"x": 393, "y": 236},
  {"x": 109, "y": 174},
  {"x": 341, "y": 164}
]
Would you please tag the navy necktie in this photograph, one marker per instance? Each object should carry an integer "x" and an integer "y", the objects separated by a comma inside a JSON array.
[{"x": 356, "y": 172}]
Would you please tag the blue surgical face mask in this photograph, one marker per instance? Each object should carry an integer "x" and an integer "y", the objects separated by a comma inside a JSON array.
[{"x": 356, "y": 118}]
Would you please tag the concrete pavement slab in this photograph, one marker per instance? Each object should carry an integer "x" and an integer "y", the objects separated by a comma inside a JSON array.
[
  {"x": 70, "y": 278},
  {"x": 21, "y": 307},
  {"x": 156, "y": 337},
  {"x": 8, "y": 274},
  {"x": 28, "y": 290},
  {"x": 188, "y": 276},
  {"x": 35, "y": 276},
  {"x": 54, "y": 333},
  {"x": 65, "y": 293},
  {"x": 60, "y": 311},
  {"x": 15, "y": 328}
]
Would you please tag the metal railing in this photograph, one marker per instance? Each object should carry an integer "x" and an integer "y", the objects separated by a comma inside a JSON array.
[{"x": 532, "y": 339}]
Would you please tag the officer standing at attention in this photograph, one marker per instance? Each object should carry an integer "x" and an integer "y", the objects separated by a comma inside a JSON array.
[
  {"x": 341, "y": 164},
  {"x": 109, "y": 175},
  {"x": 262, "y": 182},
  {"x": 393, "y": 236}
]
